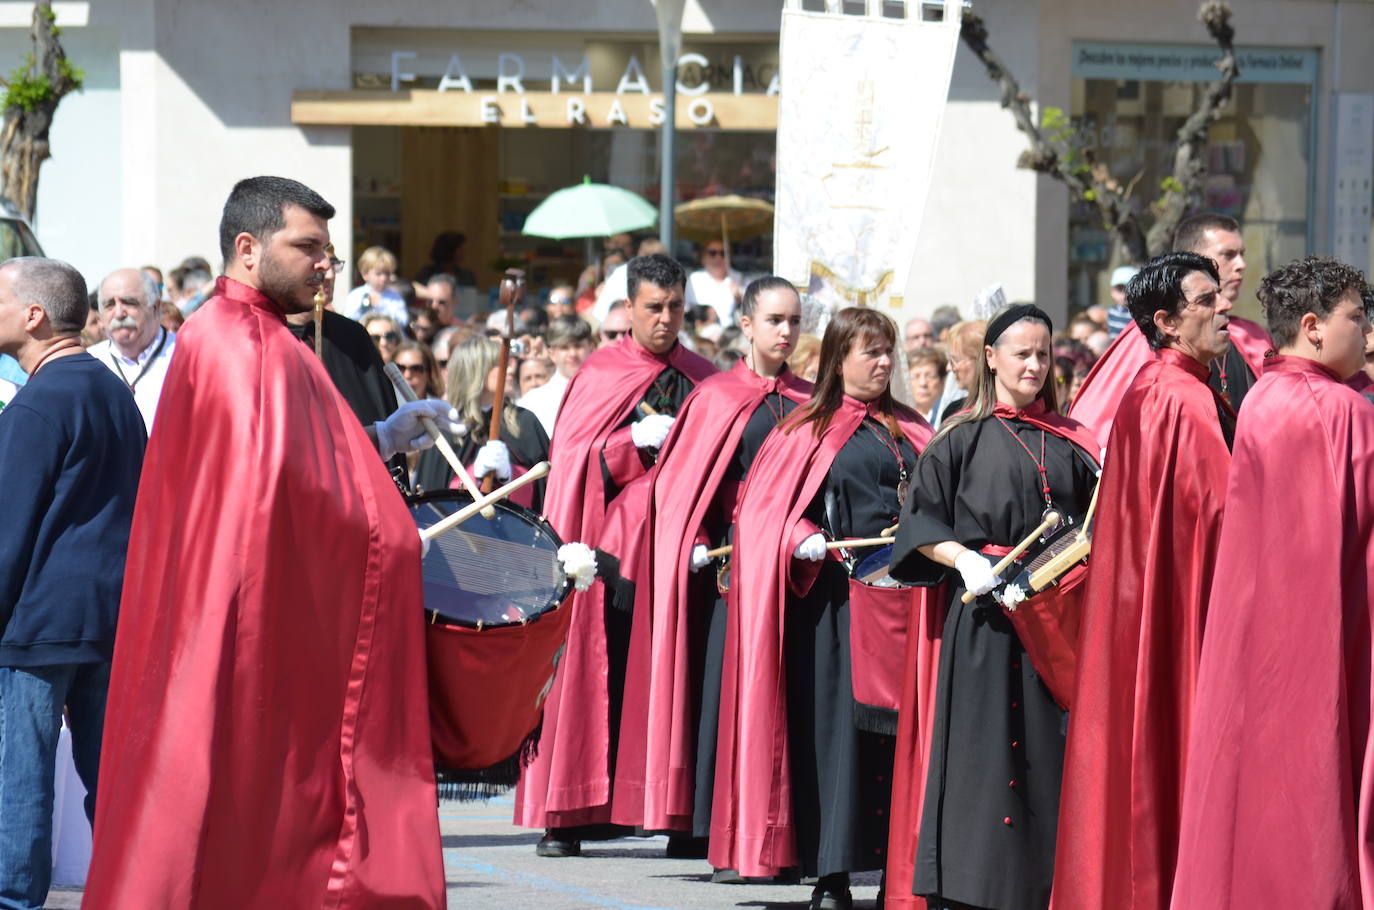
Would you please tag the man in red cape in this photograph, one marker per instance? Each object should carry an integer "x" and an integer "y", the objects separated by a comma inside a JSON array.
[
  {"x": 601, "y": 449},
  {"x": 1276, "y": 806},
  {"x": 1216, "y": 237},
  {"x": 655, "y": 783},
  {"x": 1155, "y": 537},
  {"x": 752, "y": 829},
  {"x": 267, "y": 740}
]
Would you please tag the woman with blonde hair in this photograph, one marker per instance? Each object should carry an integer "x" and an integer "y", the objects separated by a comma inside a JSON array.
[{"x": 472, "y": 371}]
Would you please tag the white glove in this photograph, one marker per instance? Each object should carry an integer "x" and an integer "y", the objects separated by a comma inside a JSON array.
[
  {"x": 812, "y": 548},
  {"x": 977, "y": 572},
  {"x": 403, "y": 432},
  {"x": 493, "y": 458},
  {"x": 699, "y": 557},
  {"x": 424, "y": 545},
  {"x": 650, "y": 432}
]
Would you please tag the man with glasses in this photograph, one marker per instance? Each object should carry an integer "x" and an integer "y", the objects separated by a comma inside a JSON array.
[
  {"x": 715, "y": 284},
  {"x": 137, "y": 348},
  {"x": 267, "y": 721},
  {"x": 615, "y": 326},
  {"x": 442, "y": 294}
]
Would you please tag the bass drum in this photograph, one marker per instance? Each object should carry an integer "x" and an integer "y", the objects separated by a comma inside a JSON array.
[{"x": 494, "y": 631}]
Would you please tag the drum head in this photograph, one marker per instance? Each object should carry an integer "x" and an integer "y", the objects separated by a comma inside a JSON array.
[
  {"x": 873, "y": 570},
  {"x": 489, "y": 572}
]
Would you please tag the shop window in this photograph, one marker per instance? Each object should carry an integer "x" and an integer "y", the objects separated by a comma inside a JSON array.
[{"x": 1259, "y": 153}]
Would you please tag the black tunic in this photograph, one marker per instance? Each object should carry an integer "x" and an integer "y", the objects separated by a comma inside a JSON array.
[
  {"x": 714, "y": 617},
  {"x": 841, "y": 775},
  {"x": 1239, "y": 379},
  {"x": 350, "y": 358},
  {"x": 664, "y": 396},
  {"x": 987, "y": 831},
  {"x": 527, "y": 449}
]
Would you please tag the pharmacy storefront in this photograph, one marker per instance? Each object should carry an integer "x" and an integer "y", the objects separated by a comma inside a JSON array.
[{"x": 469, "y": 132}]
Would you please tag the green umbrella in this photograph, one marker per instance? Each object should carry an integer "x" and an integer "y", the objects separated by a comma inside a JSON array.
[{"x": 589, "y": 210}]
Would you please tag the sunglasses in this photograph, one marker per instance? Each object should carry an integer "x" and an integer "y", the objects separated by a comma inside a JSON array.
[
  {"x": 714, "y": 253},
  {"x": 388, "y": 337},
  {"x": 613, "y": 334},
  {"x": 411, "y": 367}
]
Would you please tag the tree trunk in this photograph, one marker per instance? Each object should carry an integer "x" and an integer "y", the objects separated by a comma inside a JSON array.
[{"x": 31, "y": 103}]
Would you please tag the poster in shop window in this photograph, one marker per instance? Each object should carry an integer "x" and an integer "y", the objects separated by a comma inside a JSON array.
[{"x": 858, "y": 123}]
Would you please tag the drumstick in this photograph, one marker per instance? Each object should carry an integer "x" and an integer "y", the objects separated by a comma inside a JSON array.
[
  {"x": 441, "y": 443},
  {"x": 484, "y": 503},
  {"x": 830, "y": 545},
  {"x": 1051, "y": 519},
  {"x": 646, "y": 409}
]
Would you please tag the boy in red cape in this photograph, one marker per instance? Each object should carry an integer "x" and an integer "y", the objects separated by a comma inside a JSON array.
[
  {"x": 603, "y": 447},
  {"x": 267, "y": 738},
  {"x": 1155, "y": 537},
  {"x": 1231, "y": 374},
  {"x": 1276, "y": 805}
]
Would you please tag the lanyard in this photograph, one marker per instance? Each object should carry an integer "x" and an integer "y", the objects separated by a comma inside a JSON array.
[
  {"x": 889, "y": 442},
  {"x": 1039, "y": 462},
  {"x": 147, "y": 364}
]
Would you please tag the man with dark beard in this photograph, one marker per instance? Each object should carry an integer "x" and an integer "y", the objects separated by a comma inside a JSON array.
[{"x": 267, "y": 723}]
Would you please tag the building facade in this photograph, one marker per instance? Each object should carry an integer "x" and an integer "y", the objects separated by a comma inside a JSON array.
[{"x": 415, "y": 117}]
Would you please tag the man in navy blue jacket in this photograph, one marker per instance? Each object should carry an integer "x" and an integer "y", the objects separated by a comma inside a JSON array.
[{"x": 71, "y": 448}]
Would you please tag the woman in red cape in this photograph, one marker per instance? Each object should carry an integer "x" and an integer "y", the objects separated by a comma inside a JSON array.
[
  {"x": 666, "y": 763},
  {"x": 1155, "y": 537},
  {"x": 987, "y": 818},
  {"x": 798, "y": 782},
  {"x": 1279, "y": 784}
]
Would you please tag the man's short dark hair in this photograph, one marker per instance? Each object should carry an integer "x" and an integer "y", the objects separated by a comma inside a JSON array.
[
  {"x": 1159, "y": 286},
  {"x": 659, "y": 269},
  {"x": 1311, "y": 285},
  {"x": 568, "y": 330},
  {"x": 55, "y": 286},
  {"x": 255, "y": 206},
  {"x": 943, "y": 317},
  {"x": 1191, "y": 234}
]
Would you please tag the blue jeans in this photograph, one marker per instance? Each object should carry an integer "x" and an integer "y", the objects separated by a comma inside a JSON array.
[{"x": 31, "y": 702}]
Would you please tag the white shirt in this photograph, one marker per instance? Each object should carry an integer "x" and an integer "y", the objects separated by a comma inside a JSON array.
[
  {"x": 544, "y": 401},
  {"x": 702, "y": 288},
  {"x": 616, "y": 287},
  {"x": 392, "y": 305},
  {"x": 143, "y": 376}
]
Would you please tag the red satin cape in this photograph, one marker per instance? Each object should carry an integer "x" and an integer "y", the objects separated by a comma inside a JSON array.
[
  {"x": 751, "y": 826},
  {"x": 655, "y": 780},
  {"x": 569, "y": 781},
  {"x": 1100, "y": 396},
  {"x": 266, "y": 736},
  {"x": 1280, "y": 780},
  {"x": 1155, "y": 542}
]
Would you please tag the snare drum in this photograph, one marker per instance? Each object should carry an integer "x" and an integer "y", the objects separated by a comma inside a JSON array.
[{"x": 494, "y": 630}]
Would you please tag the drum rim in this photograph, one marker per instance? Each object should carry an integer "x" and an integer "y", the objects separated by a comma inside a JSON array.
[{"x": 434, "y": 617}]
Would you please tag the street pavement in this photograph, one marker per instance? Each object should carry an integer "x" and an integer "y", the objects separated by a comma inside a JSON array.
[{"x": 490, "y": 863}]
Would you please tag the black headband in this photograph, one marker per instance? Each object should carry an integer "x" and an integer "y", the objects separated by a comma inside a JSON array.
[{"x": 1009, "y": 317}]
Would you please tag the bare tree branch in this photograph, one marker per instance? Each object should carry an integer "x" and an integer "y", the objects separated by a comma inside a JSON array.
[
  {"x": 1062, "y": 157},
  {"x": 1190, "y": 167},
  {"x": 31, "y": 98}
]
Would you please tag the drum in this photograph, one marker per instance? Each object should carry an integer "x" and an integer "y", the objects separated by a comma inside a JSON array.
[{"x": 493, "y": 592}]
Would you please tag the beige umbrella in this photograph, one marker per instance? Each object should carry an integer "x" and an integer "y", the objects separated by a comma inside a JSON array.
[{"x": 724, "y": 216}]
